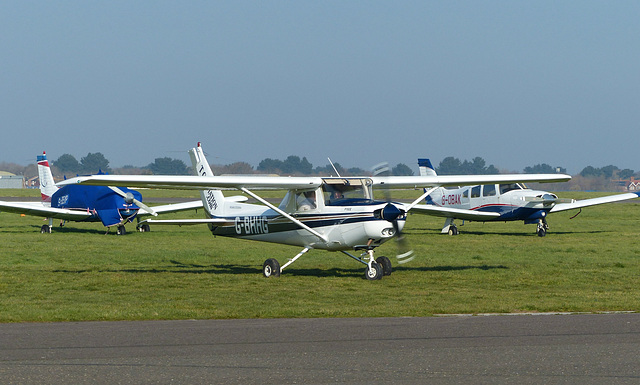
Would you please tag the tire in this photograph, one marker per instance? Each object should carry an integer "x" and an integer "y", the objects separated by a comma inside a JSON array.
[
  {"x": 121, "y": 230},
  {"x": 386, "y": 265},
  {"x": 271, "y": 268},
  {"x": 45, "y": 229},
  {"x": 374, "y": 273}
]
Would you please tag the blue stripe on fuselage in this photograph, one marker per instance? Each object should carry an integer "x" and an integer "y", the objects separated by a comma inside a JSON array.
[
  {"x": 509, "y": 212},
  {"x": 254, "y": 225}
]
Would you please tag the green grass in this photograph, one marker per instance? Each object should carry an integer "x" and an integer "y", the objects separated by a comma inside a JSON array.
[{"x": 587, "y": 264}]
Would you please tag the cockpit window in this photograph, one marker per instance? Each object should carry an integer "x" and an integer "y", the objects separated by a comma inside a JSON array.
[
  {"x": 346, "y": 191},
  {"x": 510, "y": 187}
]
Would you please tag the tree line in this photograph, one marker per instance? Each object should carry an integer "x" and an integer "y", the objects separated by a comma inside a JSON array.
[{"x": 68, "y": 165}]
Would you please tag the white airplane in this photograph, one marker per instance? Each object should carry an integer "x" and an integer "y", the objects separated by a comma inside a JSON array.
[
  {"x": 334, "y": 214},
  {"x": 499, "y": 202},
  {"x": 112, "y": 206}
]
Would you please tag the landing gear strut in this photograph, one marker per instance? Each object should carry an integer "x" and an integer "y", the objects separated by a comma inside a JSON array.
[
  {"x": 542, "y": 228},
  {"x": 375, "y": 269}
]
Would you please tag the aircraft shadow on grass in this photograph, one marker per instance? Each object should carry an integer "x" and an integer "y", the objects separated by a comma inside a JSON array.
[
  {"x": 75, "y": 230},
  {"x": 184, "y": 268},
  {"x": 502, "y": 233}
]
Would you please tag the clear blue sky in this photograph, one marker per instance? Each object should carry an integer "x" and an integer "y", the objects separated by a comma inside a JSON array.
[{"x": 516, "y": 83}]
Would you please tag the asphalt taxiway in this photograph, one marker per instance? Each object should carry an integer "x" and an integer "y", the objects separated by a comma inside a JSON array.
[{"x": 503, "y": 349}]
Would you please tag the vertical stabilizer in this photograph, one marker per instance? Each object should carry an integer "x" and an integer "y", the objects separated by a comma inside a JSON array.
[
  {"x": 213, "y": 199},
  {"x": 47, "y": 185},
  {"x": 426, "y": 168}
]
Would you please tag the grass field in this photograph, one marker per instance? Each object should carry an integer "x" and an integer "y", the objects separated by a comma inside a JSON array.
[{"x": 77, "y": 273}]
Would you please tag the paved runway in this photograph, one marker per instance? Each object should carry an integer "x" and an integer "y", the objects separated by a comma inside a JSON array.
[{"x": 523, "y": 349}]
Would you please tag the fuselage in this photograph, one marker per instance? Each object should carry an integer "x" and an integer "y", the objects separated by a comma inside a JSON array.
[
  {"x": 513, "y": 202},
  {"x": 101, "y": 202},
  {"x": 344, "y": 225}
]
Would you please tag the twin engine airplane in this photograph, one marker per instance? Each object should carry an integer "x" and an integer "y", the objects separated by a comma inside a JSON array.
[
  {"x": 110, "y": 205},
  {"x": 499, "y": 202},
  {"x": 334, "y": 214}
]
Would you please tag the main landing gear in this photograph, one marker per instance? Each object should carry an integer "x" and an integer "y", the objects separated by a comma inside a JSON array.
[
  {"x": 375, "y": 269},
  {"x": 542, "y": 227},
  {"x": 449, "y": 227}
]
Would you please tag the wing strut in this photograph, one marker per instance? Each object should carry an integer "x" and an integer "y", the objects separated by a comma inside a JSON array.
[
  {"x": 427, "y": 193},
  {"x": 292, "y": 219}
]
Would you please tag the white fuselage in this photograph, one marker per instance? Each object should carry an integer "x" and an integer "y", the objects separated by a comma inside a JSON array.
[{"x": 344, "y": 227}]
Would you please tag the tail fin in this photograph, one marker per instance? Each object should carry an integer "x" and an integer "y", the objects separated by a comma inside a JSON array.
[
  {"x": 426, "y": 168},
  {"x": 47, "y": 185},
  {"x": 213, "y": 199}
]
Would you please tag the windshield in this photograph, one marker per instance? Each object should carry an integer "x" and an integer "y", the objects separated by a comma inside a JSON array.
[
  {"x": 344, "y": 191},
  {"x": 510, "y": 187}
]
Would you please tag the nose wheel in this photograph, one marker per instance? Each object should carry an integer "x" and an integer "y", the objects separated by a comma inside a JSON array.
[
  {"x": 542, "y": 228},
  {"x": 373, "y": 271}
]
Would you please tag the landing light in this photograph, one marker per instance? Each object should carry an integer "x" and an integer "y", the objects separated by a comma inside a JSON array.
[{"x": 388, "y": 232}]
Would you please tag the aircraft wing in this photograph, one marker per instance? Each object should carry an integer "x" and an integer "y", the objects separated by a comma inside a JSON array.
[
  {"x": 39, "y": 210},
  {"x": 197, "y": 182},
  {"x": 593, "y": 201},
  {"x": 463, "y": 180},
  {"x": 281, "y": 182},
  {"x": 449, "y": 212}
]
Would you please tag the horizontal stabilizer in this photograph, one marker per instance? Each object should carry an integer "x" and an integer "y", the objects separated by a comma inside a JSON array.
[
  {"x": 185, "y": 206},
  {"x": 185, "y": 222}
]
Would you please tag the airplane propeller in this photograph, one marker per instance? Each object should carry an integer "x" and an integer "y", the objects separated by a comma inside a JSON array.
[
  {"x": 129, "y": 199},
  {"x": 390, "y": 212}
]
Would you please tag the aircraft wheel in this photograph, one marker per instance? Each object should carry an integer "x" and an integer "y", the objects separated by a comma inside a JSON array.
[
  {"x": 45, "y": 229},
  {"x": 386, "y": 265},
  {"x": 542, "y": 232},
  {"x": 271, "y": 268},
  {"x": 121, "y": 230},
  {"x": 373, "y": 273},
  {"x": 453, "y": 230},
  {"x": 144, "y": 228}
]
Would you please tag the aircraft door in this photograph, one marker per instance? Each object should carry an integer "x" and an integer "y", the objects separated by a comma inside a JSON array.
[
  {"x": 475, "y": 197},
  {"x": 483, "y": 197}
]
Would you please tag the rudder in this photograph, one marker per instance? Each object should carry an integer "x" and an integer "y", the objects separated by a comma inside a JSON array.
[
  {"x": 212, "y": 199},
  {"x": 47, "y": 184}
]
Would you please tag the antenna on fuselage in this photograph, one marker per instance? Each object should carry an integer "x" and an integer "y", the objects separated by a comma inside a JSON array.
[{"x": 334, "y": 167}]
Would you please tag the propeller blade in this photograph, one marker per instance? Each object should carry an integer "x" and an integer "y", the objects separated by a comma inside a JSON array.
[
  {"x": 145, "y": 207},
  {"x": 391, "y": 213},
  {"x": 129, "y": 198}
]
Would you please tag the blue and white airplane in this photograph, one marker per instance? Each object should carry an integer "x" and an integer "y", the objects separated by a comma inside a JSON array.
[
  {"x": 334, "y": 214},
  {"x": 112, "y": 206},
  {"x": 499, "y": 202}
]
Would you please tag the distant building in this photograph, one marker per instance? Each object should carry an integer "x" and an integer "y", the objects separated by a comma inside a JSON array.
[
  {"x": 9, "y": 180},
  {"x": 629, "y": 184},
  {"x": 33, "y": 182}
]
